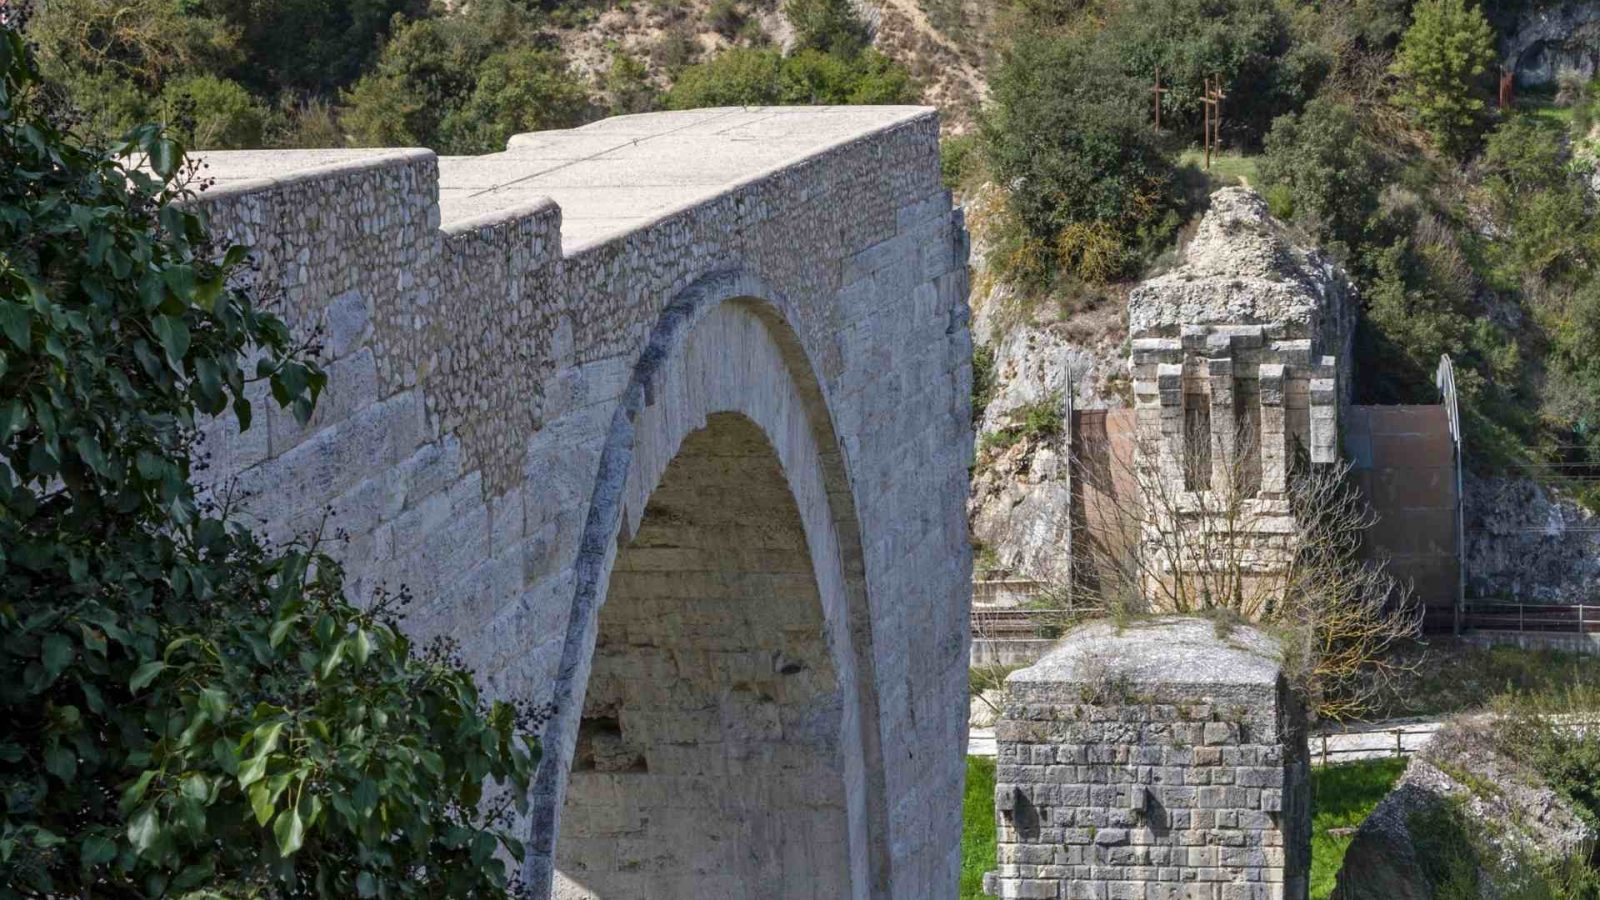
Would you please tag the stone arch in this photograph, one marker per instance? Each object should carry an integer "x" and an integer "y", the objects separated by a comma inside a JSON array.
[{"x": 725, "y": 368}]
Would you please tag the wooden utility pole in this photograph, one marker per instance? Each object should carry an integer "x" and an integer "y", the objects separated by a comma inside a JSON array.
[{"x": 1159, "y": 90}]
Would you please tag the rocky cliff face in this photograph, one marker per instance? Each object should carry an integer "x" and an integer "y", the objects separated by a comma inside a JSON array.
[
  {"x": 1546, "y": 39},
  {"x": 1525, "y": 542},
  {"x": 1465, "y": 819},
  {"x": 1043, "y": 363}
]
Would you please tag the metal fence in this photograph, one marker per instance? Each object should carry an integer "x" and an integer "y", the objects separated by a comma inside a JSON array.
[
  {"x": 1388, "y": 740},
  {"x": 1561, "y": 618}
]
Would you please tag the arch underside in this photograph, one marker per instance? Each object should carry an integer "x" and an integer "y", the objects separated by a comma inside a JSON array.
[
  {"x": 715, "y": 732},
  {"x": 708, "y": 761}
]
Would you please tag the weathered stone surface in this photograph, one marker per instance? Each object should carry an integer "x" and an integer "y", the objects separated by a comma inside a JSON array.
[
  {"x": 1162, "y": 759},
  {"x": 1548, "y": 39},
  {"x": 1242, "y": 268},
  {"x": 1527, "y": 542},
  {"x": 1459, "y": 776},
  {"x": 1240, "y": 362},
  {"x": 519, "y": 346}
]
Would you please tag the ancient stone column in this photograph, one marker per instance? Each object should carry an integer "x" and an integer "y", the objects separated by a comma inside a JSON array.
[{"x": 1161, "y": 759}]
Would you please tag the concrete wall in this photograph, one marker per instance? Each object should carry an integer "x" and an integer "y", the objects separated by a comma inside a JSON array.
[
  {"x": 1403, "y": 461},
  {"x": 511, "y": 380}
]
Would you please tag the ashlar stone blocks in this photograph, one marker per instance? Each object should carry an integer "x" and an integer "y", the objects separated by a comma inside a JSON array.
[
  {"x": 1161, "y": 759},
  {"x": 520, "y": 344}
]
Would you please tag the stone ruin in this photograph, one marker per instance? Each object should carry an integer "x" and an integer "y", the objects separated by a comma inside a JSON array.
[
  {"x": 1162, "y": 759},
  {"x": 1241, "y": 360}
]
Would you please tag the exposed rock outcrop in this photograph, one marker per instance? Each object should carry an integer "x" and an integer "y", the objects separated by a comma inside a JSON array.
[
  {"x": 1549, "y": 38},
  {"x": 1527, "y": 542},
  {"x": 1462, "y": 813},
  {"x": 1243, "y": 267}
]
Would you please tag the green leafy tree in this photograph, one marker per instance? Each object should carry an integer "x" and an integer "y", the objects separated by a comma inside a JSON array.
[
  {"x": 517, "y": 90},
  {"x": 831, "y": 26},
  {"x": 1332, "y": 171},
  {"x": 461, "y": 83},
  {"x": 115, "y": 59},
  {"x": 1067, "y": 133},
  {"x": 306, "y": 45},
  {"x": 1442, "y": 63},
  {"x": 189, "y": 712},
  {"x": 214, "y": 113},
  {"x": 758, "y": 77},
  {"x": 627, "y": 86},
  {"x": 1246, "y": 43}
]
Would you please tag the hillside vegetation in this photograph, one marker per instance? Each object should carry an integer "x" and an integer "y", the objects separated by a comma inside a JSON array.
[
  {"x": 1372, "y": 126},
  {"x": 459, "y": 78}
]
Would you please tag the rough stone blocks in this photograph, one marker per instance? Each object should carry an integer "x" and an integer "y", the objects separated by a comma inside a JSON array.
[{"x": 1163, "y": 759}]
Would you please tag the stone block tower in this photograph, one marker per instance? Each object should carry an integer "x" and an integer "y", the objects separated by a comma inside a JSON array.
[
  {"x": 1239, "y": 364},
  {"x": 1166, "y": 759}
]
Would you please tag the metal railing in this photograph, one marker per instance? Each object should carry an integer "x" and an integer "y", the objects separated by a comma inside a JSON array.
[
  {"x": 1349, "y": 745},
  {"x": 1560, "y": 618}
]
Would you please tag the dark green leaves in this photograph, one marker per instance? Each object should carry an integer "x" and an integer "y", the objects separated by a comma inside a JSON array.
[
  {"x": 186, "y": 709},
  {"x": 15, "y": 322}
]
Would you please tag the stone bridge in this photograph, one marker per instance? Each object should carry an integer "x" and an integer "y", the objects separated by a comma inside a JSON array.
[{"x": 666, "y": 420}]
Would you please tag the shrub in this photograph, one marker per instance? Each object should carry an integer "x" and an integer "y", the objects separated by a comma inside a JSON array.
[
  {"x": 1331, "y": 171},
  {"x": 188, "y": 711},
  {"x": 517, "y": 90},
  {"x": 214, "y": 113},
  {"x": 958, "y": 159},
  {"x": 1441, "y": 64},
  {"x": 463, "y": 83},
  {"x": 725, "y": 17},
  {"x": 628, "y": 87},
  {"x": 736, "y": 77},
  {"x": 305, "y": 45},
  {"x": 827, "y": 25},
  {"x": 1067, "y": 135},
  {"x": 756, "y": 77}
]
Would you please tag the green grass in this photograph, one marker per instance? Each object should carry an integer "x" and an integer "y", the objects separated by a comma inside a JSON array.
[
  {"x": 1452, "y": 677},
  {"x": 1226, "y": 168},
  {"x": 1342, "y": 796},
  {"x": 977, "y": 827}
]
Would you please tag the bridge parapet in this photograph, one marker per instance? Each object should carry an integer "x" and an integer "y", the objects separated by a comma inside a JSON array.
[{"x": 518, "y": 345}]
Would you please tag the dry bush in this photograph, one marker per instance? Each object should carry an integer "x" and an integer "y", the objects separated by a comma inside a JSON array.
[{"x": 1159, "y": 536}]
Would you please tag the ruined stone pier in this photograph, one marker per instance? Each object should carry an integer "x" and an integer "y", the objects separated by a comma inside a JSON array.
[
  {"x": 666, "y": 420},
  {"x": 1161, "y": 760}
]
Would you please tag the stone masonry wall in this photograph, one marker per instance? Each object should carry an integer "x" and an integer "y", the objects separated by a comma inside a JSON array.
[
  {"x": 1241, "y": 360},
  {"x": 1163, "y": 760},
  {"x": 499, "y": 411}
]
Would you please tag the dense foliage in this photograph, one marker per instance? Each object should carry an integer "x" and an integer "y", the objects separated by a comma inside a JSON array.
[
  {"x": 1089, "y": 181},
  {"x": 464, "y": 83},
  {"x": 190, "y": 712},
  {"x": 460, "y": 78},
  {"x": 1442, "y": 64},
  {"x": 758, "y": 77}
]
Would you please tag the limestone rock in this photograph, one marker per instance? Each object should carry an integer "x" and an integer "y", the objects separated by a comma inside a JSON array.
[
  {"x": 1547, "y": 39},
  {"x": 1460, "y": 774},
  {"x": 1524, "y": 540},
  {"x": 1243, "y": 268}
]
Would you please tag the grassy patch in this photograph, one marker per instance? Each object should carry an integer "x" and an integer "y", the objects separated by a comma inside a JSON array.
[
  {"x": 1226, "y": 168},
  {"x": 1342, "y": 796},
  {"x": 977, "y": 828},
  {"x": 1455, "y": 677}
]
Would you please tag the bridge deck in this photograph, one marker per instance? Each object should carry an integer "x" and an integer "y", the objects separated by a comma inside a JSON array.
[{"x": 614, "y": 175}]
